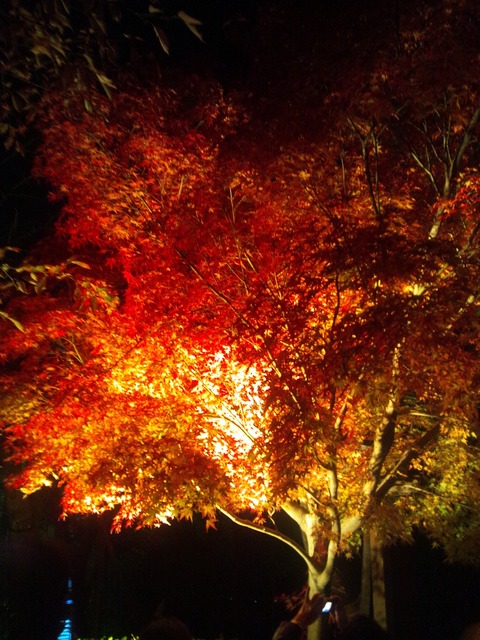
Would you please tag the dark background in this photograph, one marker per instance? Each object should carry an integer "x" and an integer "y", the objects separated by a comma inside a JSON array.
[{"x": 228, "y": 582}]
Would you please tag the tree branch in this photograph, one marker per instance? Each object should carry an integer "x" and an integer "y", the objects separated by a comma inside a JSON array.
[
  {"x": 241, "y": 317},
  {"x": 243, "y": 522},
  {"x": 402, "y": 465},
  {"x": 384, "y": 437},
  {"x": 467, "y": 138}
]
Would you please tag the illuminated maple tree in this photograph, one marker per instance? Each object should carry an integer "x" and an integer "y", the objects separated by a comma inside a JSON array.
[{"x": 248, "y": 328}]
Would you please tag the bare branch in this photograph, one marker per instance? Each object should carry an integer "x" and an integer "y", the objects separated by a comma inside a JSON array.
[
  {"x": 406, "y": 459},
  {"x": 273, "y": 533}
]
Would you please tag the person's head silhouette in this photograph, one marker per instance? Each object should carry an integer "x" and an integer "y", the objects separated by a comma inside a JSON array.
[{"x": 167, "y": 628}]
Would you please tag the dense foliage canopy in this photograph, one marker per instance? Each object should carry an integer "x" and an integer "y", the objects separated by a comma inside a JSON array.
[{"x": 237, "y": 316}]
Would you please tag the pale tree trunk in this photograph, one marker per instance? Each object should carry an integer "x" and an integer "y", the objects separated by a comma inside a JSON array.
[
  {"x": 318, "y": 577},
  {"x": 372, "y": 595},
  {"x": 366, "y": 577},
  {"x": 378, "y": 582},
  {"x": 318, "y": 581},
  {"x": 315, "y": 630},
  {"x": 319, "y": 574}
]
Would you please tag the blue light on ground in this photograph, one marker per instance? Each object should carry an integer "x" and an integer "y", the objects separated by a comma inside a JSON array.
[{"x": 67, "y": 631}]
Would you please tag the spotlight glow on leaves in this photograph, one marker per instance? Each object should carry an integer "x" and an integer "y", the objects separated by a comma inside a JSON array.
[{"x": 262, "y": 327}]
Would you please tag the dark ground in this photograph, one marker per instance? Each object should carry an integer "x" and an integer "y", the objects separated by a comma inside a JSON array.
[{"x": 226, "y": 582}]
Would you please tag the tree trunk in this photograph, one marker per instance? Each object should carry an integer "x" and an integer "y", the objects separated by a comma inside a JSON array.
[
  {"x": 378, "y": 582},
  {"x": 315, "y": 630},
  {"x": 366, "y": 577},
  {"x": 318, "y": 578},
  {"x": 372, "y": 595}
]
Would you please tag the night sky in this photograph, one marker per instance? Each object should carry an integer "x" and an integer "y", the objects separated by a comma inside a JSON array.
[{"x": 228, "y": 581}]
